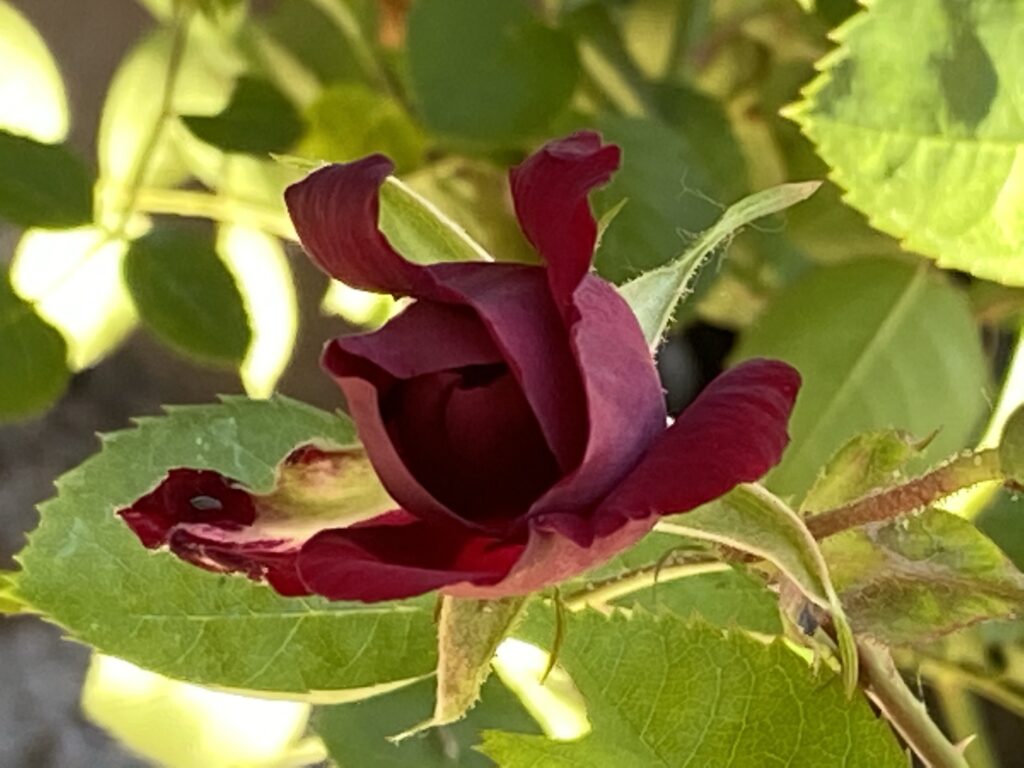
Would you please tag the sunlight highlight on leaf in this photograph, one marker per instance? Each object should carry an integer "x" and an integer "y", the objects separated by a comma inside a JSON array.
[
  {"x": 32, "y": 98},
  {"x": 556, "y": 703},
  {"x": 73, "y": 277},
  {"x": 180, "y": 725},
  {"x": 362, "y": 308},
  {"x": 261, "y": 271}
]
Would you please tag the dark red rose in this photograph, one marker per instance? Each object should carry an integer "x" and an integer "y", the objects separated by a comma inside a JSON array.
[{"x": 512, "y": 412}]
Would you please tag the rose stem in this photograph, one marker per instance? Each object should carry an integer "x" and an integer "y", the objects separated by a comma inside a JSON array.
[
  {"x": 961, "y": 472},
  {"x": 884, "y": 684}
]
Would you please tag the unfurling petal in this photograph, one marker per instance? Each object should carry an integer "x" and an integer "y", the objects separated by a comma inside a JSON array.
[
  {"x": 733, "y": 433},
  {"x": 625, "y": 407},
  {"x": 550, "y": 193},
  {"x": 335, "y": 211},
  {"x": 396, "y": 556}
]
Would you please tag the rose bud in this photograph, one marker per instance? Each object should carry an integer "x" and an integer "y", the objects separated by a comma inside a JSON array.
[{"x": 512, "y": 412}]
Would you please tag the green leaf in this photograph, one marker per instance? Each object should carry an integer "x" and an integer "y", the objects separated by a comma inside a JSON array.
[
  {"x": 878, "y": 344},
  {"x": 753, "y": 520},
  {"x": 43, "y": 185},
  {"x": 351, "y": 121},
  {"x": 869, "y": 461},
  {"x": 653, "y": 295},
  {"x": 186, "y": 295},
  {"x": 258, "y": 120},
  {"x": 132, "y": 108},
  {"x": 32, "y": 98},
  {"x": 925, "y": 132},
  {"x": 672, "y": 190},
  {"x": 54, "y": 268},
  {"x": 85, "y": 570},
  {"x": 420, "y": 231},
  {"x": 475, "y": 194},
  {"x": 488, "y": 72},
  {"x": 34, "y": 372},
  {"x": 357, "y": 734},
  {"x": 726, "y": 597},
  {"x": 662, "y": 692},
  {"x": 915, "y": 579}
]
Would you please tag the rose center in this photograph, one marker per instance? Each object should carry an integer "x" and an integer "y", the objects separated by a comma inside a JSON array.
[{"x": 472, "y": 440}]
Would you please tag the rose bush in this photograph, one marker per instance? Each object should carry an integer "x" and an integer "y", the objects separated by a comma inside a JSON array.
[{"x": 512, "y": 412}]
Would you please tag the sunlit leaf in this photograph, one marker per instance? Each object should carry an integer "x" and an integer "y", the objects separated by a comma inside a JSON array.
[
  {"x": 186, "y": 295},
  {"x": 661, "y": 691},
  {"x": 916, "y": 579},
  {"x": 475, "y": 194},
  {"x": 925, "y": 131},
  {"x": 197, "y": 726},
  {"x": 173, "y": 618},
  {"x": 74, "y": 279},
  {"x": 348, "y": 122},
  {"x": 362, "y": 308},
  {"x": 132, "y": 109},
  {"x": 257, "y": 121},
  {"x": 32, "y": 98},
  {"x": 878, "y": 344},
  {"x": 264, "y": 279},
  {"x": 43, "y": 185},
  {"x": 488, "y": 72},
  {"x": 34, "y": 372}
]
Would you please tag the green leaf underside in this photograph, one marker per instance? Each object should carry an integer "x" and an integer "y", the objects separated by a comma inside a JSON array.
[
  {"x": 869, "y": 461},
  {"x": 915, "y": 579},
  {"x": 357, "y": 734},
  {"x": 259, "y": 119},
  {"x": 653, "y": 296},
  {"x": 34, "y": 370},
  {"x": 934, "y": 155},
  {"x": 84, "y": 569},
  {"x": 506, "y": 78},
  {"x": 186, "y": 295},
  {"x": 878, "y": 343},
  {"x": 664, "y": 692},
  {"x": 43, "y": 185}
]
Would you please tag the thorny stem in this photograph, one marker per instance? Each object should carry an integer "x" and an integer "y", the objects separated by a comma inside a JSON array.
[
  {"x": 883, "y": 683},
  {"x": 889, "y": 503}
]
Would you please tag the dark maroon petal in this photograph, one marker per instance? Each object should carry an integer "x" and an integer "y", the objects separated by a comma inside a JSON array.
[
  {"x": 550, "y": 193},
  {"x": 273, "y": 561},
  {"x": 550, "y": 558},
  {"x": 427, "y": 337},
  {"x": 515, "y": 306},
  {"x": 734, "y": 432},
  {"x": 188, "y": 496},
  {"x": 335, "y": 211},
  {"x": 397, "y": 556},
  {"x": 624, "y": 402}
]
